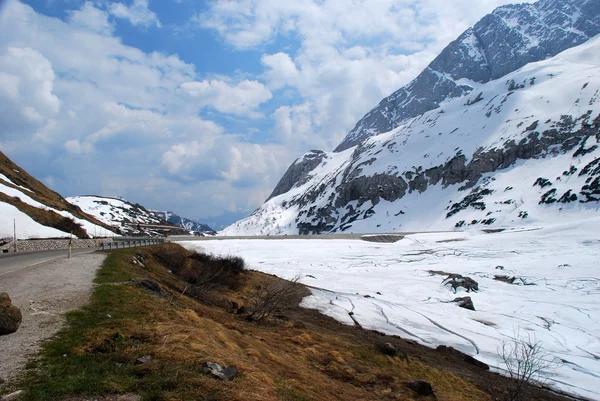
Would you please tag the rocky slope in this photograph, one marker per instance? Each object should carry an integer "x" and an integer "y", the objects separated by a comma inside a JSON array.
[
  {"x": 183, "y": 222},
  {"x": 37, "y": 211},
  {"x": 503, "y": 41},
  {"x": 522, "y": 149}
]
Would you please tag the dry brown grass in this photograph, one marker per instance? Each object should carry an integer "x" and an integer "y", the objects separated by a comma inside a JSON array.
[{"x": 42, "y": 194}]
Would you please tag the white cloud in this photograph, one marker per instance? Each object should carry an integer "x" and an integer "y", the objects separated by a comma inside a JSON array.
[
  {"x": 227, "y": 159},
  {"x": 26, "y": 89},
  {"x": 92, "y": 18},
  {"x": 349, "y": 56},
  {"x": 138, "y": 13},
  {"x": 242, "y": 98},
  {"x": 281, "y": 70}
]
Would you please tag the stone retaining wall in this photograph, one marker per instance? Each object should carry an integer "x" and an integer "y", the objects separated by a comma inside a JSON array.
[{"x": 51, "y": 244}]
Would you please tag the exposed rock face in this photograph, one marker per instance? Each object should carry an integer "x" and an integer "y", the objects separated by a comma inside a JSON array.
[
  {"x": 502, "y": 42},
  {"x": 298, "y": 172},
  {"x": 10, "y": 316}
]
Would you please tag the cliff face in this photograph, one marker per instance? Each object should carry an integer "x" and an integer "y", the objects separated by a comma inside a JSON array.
[
  {"x": 500, "y": 43},
  {"x": 518, "y": 150}
]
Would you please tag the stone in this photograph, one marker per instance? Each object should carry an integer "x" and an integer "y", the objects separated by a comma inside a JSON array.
[
  {"x": 386, "y": 349},
  {"x": 142, "y": 360},
  {"x": 464, "y": 302},
  {"x": 10, "y": 316},
  {"x": 421, "y": 387},
  {"x": 215, "y": 370}
]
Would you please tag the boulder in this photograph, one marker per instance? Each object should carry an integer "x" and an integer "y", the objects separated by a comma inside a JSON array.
[
  {"x": 218, "y": 371},
  {"x": 10, "y": 316},
  {"x": 421, "y": 387},
  {"x": 386, "y": 349},
  {"x": 464, "y": 302}
]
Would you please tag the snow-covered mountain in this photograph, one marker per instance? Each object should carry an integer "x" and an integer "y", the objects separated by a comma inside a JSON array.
[
  {"x": 38, "y": 212},
  {"x": 521, "y": 149},
  {"x": 503, "y": 41},
  {"x": 118, "y": 213},
  {"x": 183, "y": 222}
]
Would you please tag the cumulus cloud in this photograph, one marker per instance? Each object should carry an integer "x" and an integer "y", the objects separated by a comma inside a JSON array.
[
  {"x": 92, "y": 18},
  {"x": 242, "y": 98},
  {"x": 138, "y": 13},
  {"x": 26, "y": 90},
  {"x": 225, "y": 158}
]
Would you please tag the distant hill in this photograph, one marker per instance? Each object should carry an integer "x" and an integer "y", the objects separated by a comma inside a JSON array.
[
  {"x": 121, "y": 214},
  {"x": 39, "y": 212},
  {"x": 183, "y": 222}
]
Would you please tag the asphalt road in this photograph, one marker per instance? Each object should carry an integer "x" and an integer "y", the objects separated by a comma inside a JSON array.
[{"x": 11, "y": 262}]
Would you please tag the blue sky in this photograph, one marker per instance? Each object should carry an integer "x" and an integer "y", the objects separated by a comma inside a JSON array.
[{"x": 200, "y": 106}]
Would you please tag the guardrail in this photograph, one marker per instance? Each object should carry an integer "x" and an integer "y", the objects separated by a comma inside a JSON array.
[{"x": 133, "y": 243}]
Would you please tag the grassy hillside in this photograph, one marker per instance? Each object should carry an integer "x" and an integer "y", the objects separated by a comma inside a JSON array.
[
  {"x": 44, "y": 195},
  {"x": 196, "y": 309}
]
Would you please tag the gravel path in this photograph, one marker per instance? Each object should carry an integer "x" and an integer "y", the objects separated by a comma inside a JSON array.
[{"x": 43, "y": 293}]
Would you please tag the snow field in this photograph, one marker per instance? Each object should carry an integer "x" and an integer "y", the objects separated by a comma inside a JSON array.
[{"x": 558, "y": 305}]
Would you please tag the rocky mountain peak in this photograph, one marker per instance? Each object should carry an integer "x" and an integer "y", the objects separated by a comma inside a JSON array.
[{"x": 500, "y": 43}]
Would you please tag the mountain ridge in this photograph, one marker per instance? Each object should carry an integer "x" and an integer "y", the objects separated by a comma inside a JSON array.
[{"x": 501, "y": 42}]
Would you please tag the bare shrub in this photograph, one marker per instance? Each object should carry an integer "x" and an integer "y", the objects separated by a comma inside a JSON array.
[
  {"x": 209, "y": 271},
  {"x": 272, "y": 295},
  {"x": 203, "y": 271},
  {"x": 525, "y": 362}
]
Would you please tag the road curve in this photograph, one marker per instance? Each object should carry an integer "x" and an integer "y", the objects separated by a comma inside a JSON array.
[{"x": 11, "y": 262}]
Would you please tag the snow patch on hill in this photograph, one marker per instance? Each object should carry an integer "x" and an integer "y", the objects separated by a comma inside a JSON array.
[{"x": 118, "y": 213}]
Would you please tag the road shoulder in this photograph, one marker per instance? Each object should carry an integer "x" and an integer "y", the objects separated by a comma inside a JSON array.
[{"x": 44, "y": 292}]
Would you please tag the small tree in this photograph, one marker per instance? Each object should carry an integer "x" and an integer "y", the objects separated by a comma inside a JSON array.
[
  {"x": 525, "y": 362},
  {"x": 271, "y": 295}
]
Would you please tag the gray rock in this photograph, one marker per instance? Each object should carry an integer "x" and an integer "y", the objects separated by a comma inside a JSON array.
[
  {"x": 142, "y": 360},
  {"x": 501, "y": 42},
  {"x": 218, "y": 371},
  {"x": 464, "y": 302},
  {"x": 10, "y": 316},
  {"x": 386, "y": 349}
]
